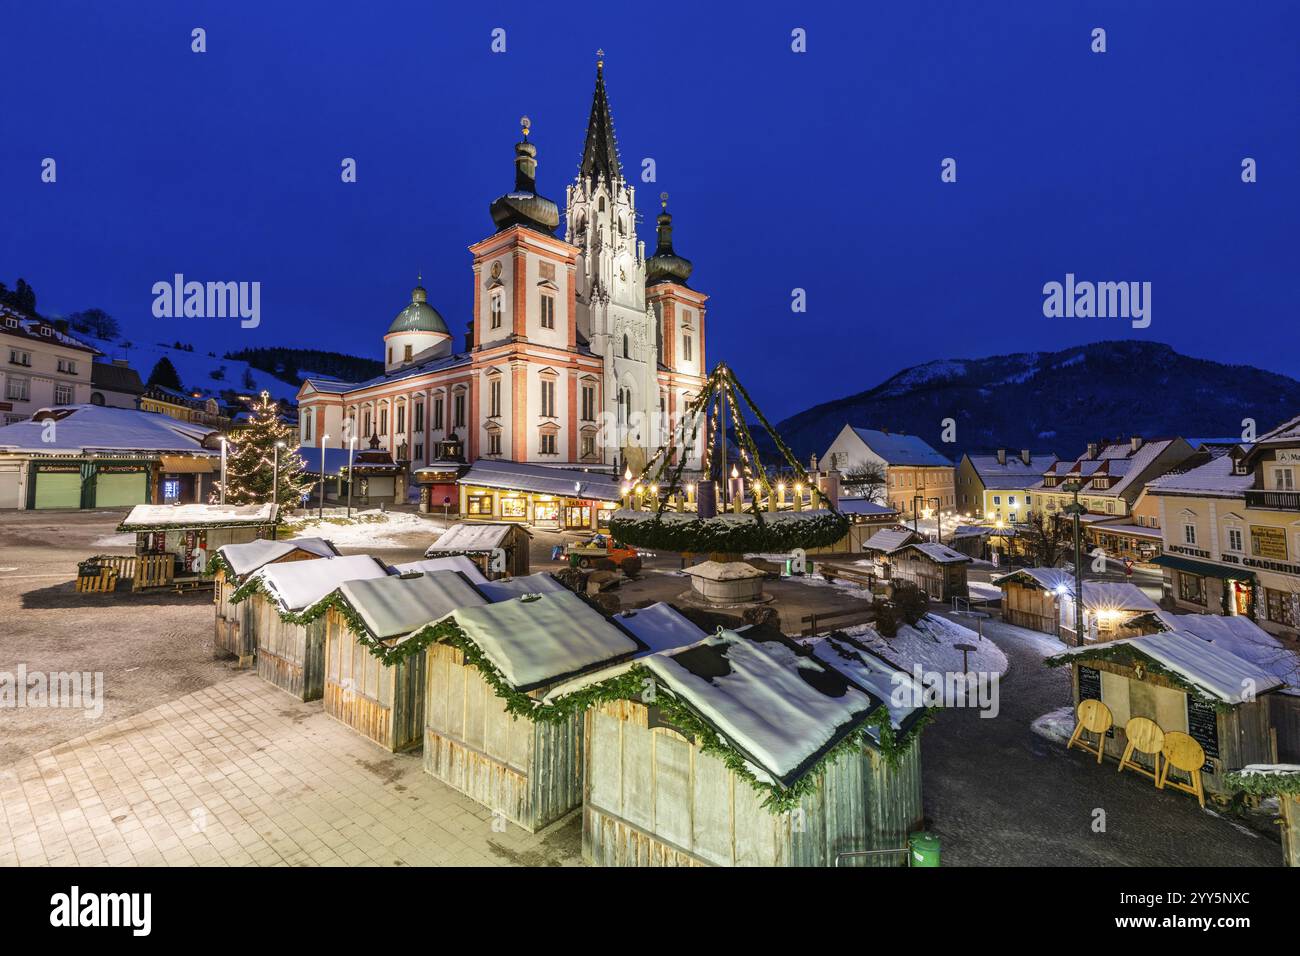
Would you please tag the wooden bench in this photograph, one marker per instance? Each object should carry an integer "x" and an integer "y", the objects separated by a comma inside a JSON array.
[
  {"x": 836, "y": 620},
  {"x": 844, "y": 572}
]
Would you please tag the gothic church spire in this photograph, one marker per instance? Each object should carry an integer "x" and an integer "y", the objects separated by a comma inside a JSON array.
[{"x": 600, "y": 153}]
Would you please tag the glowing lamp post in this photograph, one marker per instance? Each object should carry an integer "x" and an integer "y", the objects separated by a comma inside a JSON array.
[{"x": 323, "y": 440}]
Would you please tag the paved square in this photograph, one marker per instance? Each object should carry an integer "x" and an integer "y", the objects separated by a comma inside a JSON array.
[{"x": 242, "y": 774}]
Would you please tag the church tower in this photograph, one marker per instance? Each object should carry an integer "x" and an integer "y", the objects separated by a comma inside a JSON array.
[{"x": 612, "y": 313}]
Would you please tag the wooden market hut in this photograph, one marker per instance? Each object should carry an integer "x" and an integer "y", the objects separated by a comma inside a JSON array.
[
  {"x": 755, "y": 752},
  {"x": 1183, "y": 684},
  {"x": 381, "y": 695},
  {"x": 936, "y": 569},
  {"x": 286, "y": 616},
  {"x": 173, "y": 543},
  {"x": 481, "y": 541},
  {"x": 501, "y": 722},
  {"x": 1283, "y": 782},
  {"x": 1042, "y": 599},
  {"x": 231, "y": 566}
]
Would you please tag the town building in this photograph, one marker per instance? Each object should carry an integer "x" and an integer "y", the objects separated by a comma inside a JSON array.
[
  {"x": 1112, "y": 475},
  {"x": 1231, "y": 532},
  {"x": 197, "y": 408},
  {"x": 918, "y": 480},
  {"x": 115, "y": 384},
  {"x": 91, "y": 456},
  {"x": 996, "y": 486},
  {"x": 41, "y": 366},
  {"x": 581, "y": 348}
]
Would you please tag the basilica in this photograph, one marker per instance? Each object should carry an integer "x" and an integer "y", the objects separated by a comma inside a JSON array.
[{"x": 581, "y": 353}]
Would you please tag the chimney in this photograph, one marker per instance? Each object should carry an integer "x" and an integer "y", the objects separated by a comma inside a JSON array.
[
  {"x": 1027, "y": 458},
  {"x": 1092, "y": 449},
  {"x": 1135, "y": 443},
  {"x": 1002, "y": 456}
]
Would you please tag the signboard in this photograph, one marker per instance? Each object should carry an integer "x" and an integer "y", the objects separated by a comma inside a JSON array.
[
  {"x": 1089, "y": 683},
  {"x": 1288, "y": 456},
  {"x": 1203, "y": 727},
  {"x": 1266, "y": 542}
]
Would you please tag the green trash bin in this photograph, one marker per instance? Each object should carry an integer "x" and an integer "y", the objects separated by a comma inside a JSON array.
[{"x": 923, "y": 849}]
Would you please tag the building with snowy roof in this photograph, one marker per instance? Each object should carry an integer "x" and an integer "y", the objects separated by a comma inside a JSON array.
[
  {"x": 918, "y": 479},
  {"x": 996, "y": 486},
  {"x": 1043, "y": 599},
  {"x": 740, "y": 750},
  {"x": 45, "y": 365},
  {"x": 498, "y": 548}
]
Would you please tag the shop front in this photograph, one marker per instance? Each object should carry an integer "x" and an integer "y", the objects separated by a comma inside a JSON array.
[{"x": 560, "y": 499}]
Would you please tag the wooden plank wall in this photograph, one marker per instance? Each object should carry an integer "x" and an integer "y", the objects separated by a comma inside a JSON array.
[
  {"x": 290, "y": 656},
  {"x": 1029, "y": 607},
  {"x": 381, "y": 702},
  {"x": 655, "y": 799},
  {"x": 1284, "y": 712},
  {"x": 529, "y": 772}
]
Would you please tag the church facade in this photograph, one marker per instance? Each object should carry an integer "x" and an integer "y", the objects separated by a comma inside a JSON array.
[{"x": 582, "y": 352}]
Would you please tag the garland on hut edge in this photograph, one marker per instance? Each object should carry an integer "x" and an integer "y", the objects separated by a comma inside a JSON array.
[
  {"x": 1265, "y": 784},
  {"x": 723, "y": 533},
  {"x": 257, "y": 585},
  {"x": 1122, "y": 654}
]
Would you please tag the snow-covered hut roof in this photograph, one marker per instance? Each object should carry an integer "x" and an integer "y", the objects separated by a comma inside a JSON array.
[
  {"x": 453, "y": 562},
  {"x": 395, "y": 606},
  {"x": 781, "y": 709},
  {"x": 471, "y": 538},
  {"x": 1216, "y": 672},
  {"x": 660, "y": 627},
  {"x": 536, "y": 641},
  {"x": 160, "y": 517},
  {"x": 504, "y": 588},
  {"x": 1243, "y": 637},
  {"x": 863, "y": 506},
  {"x": 855, "y": 661},
  {"x": 244, "y": 559},
  {"x": 889, "y": 539},
  {"x": 296, "y": 586},
  {"x": 939, "y": 553}
]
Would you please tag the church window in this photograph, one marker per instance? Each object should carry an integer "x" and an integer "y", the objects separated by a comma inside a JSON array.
[
  {"x": 496, "y": 310},
  {"x": 459, "y": 410},
  {"x": 390, "y": 355},
  {"x": 494, "y": 398},
  {"x": 622, "y": 228},
  {"x": 548, "y": 443},
  {"x": 686, "y": 348},
  {"x": 419, "y": 418},
  {"x": 407, "y": 356},
  {"x": 588, "y": 446},
  {"x": 437, "y": 414},
  {"x": 627, "y": 350},
  {"x": 548, "y": 311},
  {"x": 601, "y": 207},
  {"x": 588, "y": 403},
  {"x": 383, "y": 420},
  {"x": 401, "y": 419},
  {"x": 494, "y": 443},
  {"x": 368, "y": 423},
  {"x": 306, "y": 425},
  {"x": 548, "y": 398}
]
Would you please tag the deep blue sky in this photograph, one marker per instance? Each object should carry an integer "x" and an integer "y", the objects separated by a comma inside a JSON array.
[{"x": 818, "y": 170}]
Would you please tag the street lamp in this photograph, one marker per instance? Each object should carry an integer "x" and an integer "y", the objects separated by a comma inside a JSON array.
[
  {"x": 223, "y": 470},
  {"x": 323, "y": 440},
  {"x": 352, "y": 451},
  {"x": 1074, "y": 487},
  {"x": 275, "y": 475}
]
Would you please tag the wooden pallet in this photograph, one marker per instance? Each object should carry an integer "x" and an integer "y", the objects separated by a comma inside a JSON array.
[{"x": 105, "y": 580}]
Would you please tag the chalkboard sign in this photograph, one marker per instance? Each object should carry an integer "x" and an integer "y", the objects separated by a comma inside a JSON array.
[
  {"x": 1203, "y": 727},
  {"x": 1089, "y": 683}
]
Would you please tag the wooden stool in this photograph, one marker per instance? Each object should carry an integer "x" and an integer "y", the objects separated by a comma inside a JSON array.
[
  {"x": 1094, "y": 717},
  {"x": 1185, "y": 754},
  {"x": 1145, "y": 736}
]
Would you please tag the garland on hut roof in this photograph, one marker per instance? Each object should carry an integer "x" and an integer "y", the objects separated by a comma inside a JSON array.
[{"x": 1126, "y": 656}]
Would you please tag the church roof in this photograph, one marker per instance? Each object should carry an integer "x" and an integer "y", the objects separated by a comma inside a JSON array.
[
  {"x": 419, "y": 316},
  {"x": 600, "y": 152}
]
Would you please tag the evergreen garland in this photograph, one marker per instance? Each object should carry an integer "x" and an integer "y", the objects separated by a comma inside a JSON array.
[
  {"x": 1124, "y": 655},
  {"x": 1265, "y": 784},
  {"x": 731, "y": 534}
]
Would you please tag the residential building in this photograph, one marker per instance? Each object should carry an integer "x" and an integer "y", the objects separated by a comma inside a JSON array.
[
  {"x": 1112, "y": 475},
  {"x": 581, "y": 349},
  {"x": 197, "y": 408},
  {"x": 1231, "y": 532},
  {"x": 115, "y": 384},
  {"x": 41, "y": 365},
  {"x": 996, "y": 486},
  {"x": 917, "y": 478}
]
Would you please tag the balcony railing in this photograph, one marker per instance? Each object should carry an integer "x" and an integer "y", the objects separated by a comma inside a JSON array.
[{"x": 1273, "y": 500}]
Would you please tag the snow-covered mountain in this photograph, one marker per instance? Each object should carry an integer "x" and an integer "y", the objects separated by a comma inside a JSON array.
[
  {"x": 1056, "y": 401},
  {"x": 199, "y": 371}
]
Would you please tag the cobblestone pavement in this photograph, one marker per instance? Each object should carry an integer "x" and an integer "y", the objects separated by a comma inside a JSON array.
[
  {"x": 999, "y": 794},
  {"x": 242, "y": 774}
]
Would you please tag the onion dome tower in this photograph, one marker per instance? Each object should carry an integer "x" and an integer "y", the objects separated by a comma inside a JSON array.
[
  {"x": 523, "y": 206},
  {"x": 665, "y": 265}
]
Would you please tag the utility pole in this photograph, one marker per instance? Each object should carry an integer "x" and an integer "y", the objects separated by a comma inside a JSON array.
[
  {"x": 1076, "y": 509},
  {"x": 275, "y": 475}
]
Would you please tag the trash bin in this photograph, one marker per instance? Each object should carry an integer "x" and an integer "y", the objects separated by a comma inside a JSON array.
[{"x": 924, "y": 849}]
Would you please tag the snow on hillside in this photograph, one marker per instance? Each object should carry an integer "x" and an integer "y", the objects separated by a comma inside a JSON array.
[{"x": 198, "y": 370}]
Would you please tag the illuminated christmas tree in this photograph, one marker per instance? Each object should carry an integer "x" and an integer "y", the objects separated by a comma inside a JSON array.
[{"x": 251, "y": 457}]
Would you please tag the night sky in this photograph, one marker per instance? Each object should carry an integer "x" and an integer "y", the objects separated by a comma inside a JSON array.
[{"x": 817, "y": 170}]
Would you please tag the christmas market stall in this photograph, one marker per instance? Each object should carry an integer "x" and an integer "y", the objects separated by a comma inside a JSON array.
[
  {"x": 753, "y": 751},
  {"x": 173, "y": 543},
  {"x": 454, "y": 562},
  {"x": 285, "y": 617},
  {"x": 498, "y": 548},
  {"x": 1042, "y": 599},
  {"x": 493, "y": 729},
  {"x": 1187, "y": 688},
  {"x": 231, "y": 565},
  {"x": 370, "y": 685},
  {"x": 935, "y": 568}
]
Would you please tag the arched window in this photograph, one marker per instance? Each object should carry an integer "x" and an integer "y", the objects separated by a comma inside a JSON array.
[
  {"x": 602, "y": 204},
  {"x": 96, "y": 398},
  {"x": 627, "y": 351}
]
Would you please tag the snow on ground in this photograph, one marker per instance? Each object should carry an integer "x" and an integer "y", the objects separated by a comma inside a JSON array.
[
  {"x": 844, "y": 587},
  {"x": 376, "y": 529},
  {"x": 1055, "y": 725},
  {"x": 931, "y": 646},
  {"x": 980, "y": 591}
]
